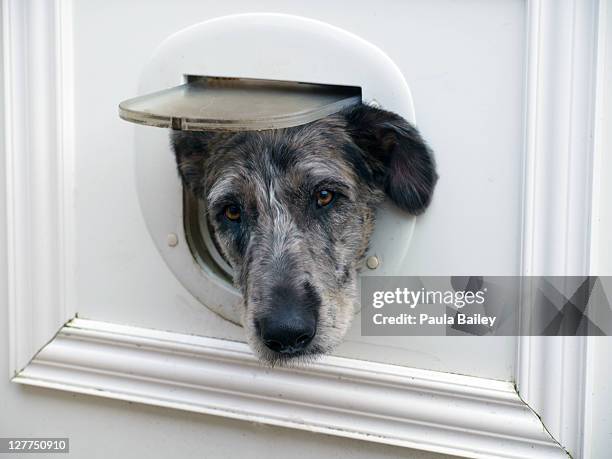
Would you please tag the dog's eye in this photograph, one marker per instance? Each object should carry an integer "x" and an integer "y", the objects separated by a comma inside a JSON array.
[
  {"x": 324, "y": 198},
  {"x": 232, "y": 213}
]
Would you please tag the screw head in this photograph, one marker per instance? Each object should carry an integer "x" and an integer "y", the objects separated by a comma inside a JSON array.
[
  {"x": 372, "y": 262},
  {"x": 172, "y": 239}
]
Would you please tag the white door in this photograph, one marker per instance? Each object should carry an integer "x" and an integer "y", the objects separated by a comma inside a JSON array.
[{"x": 511, "y": 95}]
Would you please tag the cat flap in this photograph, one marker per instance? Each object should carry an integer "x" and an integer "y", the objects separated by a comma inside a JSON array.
[{"x": 238, "y": 104}]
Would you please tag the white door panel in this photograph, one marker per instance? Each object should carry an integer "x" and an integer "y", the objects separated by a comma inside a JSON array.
[{"x": 464, "y": 64}]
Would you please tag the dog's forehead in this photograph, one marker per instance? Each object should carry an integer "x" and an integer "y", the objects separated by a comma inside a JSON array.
[
  {"x": 283, "y": 158},
  {"x": 310, "y": 149}
]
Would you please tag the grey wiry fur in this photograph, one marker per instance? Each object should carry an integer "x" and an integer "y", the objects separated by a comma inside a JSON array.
[{"x": 283, "y": 241}]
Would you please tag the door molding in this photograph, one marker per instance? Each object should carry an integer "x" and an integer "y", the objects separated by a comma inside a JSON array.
[
  {"x": 421, "y": 409},
  {"x": 38, "y": 133},
  {"x": 563, "y": 75},
  {"x": 428, "y": 410}
]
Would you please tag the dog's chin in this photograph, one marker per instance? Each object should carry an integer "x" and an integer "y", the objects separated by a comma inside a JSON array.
[
  {"x": 270, "y": 358},
  {"x": 299, "y": 359}
]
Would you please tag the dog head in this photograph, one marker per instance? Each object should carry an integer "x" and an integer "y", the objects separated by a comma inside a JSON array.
[{"x": 292, "y": 211}]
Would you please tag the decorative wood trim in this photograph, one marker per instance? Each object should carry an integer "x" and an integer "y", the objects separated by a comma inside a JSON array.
[
  {"x": 421, "y": 409},
  {"x": 593, "y": 442},
  {"x": 559, "y": 157},
  {"x": 601, "y": 249},
  {"x": 38, "y": 136}
]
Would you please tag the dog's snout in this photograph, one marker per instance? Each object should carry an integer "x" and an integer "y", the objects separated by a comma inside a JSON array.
[{"x": 287, "y": 336}]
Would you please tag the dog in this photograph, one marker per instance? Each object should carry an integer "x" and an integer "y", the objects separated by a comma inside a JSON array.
[{"x": 292, "y": 211}]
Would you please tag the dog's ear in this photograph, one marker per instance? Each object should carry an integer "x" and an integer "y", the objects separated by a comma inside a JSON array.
[
  {"x": 191, "y": 150},
  {"x": 400, "y": 161}
]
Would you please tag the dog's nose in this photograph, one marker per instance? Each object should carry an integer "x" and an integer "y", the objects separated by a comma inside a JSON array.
[{"x": 286, "y": 336}]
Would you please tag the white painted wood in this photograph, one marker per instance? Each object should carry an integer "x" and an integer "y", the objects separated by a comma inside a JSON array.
[
  {"x": 601, "y": 218},
  {"x": 597, "y": 436},
  {"x": 560, "y": 108},
  {"x": 420, "y": 409},
  {"x": 38, "y": 133}
]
